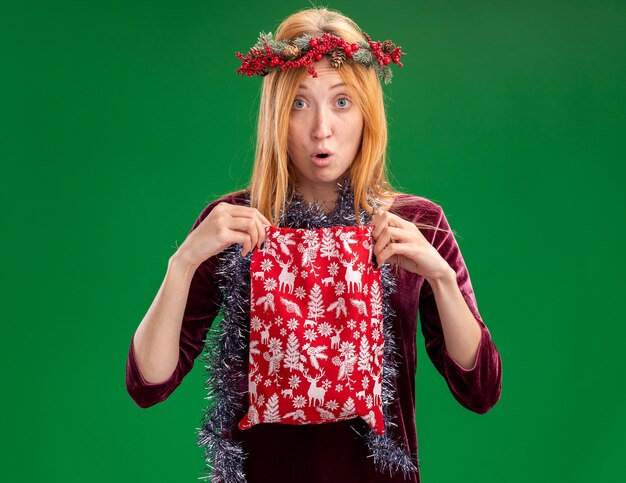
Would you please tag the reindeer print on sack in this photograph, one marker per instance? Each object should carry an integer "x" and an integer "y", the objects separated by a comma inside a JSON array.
[{"x": 316, "y": 340}]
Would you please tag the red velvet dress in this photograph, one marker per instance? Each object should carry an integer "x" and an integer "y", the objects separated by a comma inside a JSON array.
[{"x": 334, "y": 452}]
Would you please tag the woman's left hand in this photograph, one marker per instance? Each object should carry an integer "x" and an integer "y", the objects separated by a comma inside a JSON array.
[{"x": 400, "y": 242}]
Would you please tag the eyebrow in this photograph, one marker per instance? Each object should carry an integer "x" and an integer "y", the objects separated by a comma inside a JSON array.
[{"x": 303, "y": 87}]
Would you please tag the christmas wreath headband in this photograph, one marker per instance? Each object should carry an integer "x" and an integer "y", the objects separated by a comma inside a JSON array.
[{"x": 269, "y": 54}]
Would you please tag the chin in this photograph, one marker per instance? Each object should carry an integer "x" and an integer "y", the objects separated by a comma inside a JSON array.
[{"x": 329, "y": 176}]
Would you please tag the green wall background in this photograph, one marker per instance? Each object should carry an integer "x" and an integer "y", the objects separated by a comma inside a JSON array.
[{"x": 122, "y": 120}]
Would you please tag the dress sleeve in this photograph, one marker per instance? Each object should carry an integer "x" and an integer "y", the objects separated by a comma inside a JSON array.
[
  {"x": 203, "y": 304},
  {"x": 478, "y": 388}
]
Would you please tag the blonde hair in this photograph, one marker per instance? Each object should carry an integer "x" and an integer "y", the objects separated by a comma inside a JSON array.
[{"x": 272, "y": 182}]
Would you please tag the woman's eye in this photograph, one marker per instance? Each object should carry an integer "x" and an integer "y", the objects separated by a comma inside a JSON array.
[{"x": 299, "y": 103}]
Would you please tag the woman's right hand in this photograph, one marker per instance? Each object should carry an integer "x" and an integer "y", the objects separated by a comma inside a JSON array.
[{"x": 225, "y": 225}]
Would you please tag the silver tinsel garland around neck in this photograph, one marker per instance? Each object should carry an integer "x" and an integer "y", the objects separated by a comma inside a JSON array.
[{"x": 226, "y": 351}]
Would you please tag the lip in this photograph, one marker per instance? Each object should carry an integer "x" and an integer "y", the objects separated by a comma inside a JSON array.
[
  {"x": 323, "y": 151},
  {"x": 321, "y": 162}
]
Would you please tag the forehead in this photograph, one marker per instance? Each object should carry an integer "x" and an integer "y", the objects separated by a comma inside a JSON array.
[
  {"x": 327, "y": 77},
  {"x": 305, "y": 87}
]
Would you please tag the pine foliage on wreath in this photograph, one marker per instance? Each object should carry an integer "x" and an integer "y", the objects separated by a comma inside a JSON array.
[{"x": 270, "y": 54}]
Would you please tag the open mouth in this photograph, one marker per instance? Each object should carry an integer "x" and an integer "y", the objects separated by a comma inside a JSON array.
[{"x": 321, "y": 156}]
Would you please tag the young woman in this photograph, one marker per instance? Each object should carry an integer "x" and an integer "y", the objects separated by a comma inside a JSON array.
[{"x": 320, "y": 162}]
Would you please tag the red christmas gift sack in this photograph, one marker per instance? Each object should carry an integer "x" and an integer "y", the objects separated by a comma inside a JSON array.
[{"x": 316, "y": 335}]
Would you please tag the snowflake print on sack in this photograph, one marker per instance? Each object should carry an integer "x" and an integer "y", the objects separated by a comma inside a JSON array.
[{"x": 316, "y": 347}]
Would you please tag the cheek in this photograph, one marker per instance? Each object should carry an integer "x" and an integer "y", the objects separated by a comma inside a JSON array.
[
  {"x": 356, "y": 127},
  {"x": 294, "y": 129},
  {"x": 291, "y": 136}
]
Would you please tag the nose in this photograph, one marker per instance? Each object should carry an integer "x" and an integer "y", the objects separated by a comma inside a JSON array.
[{"x": 321, "y": 125}]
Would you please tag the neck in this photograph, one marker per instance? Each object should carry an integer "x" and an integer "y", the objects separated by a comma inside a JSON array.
[
  {"x": 326, "y": 202},
  {"x": 300, "y": 213},
  {"x": 324, "y": 196}
]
